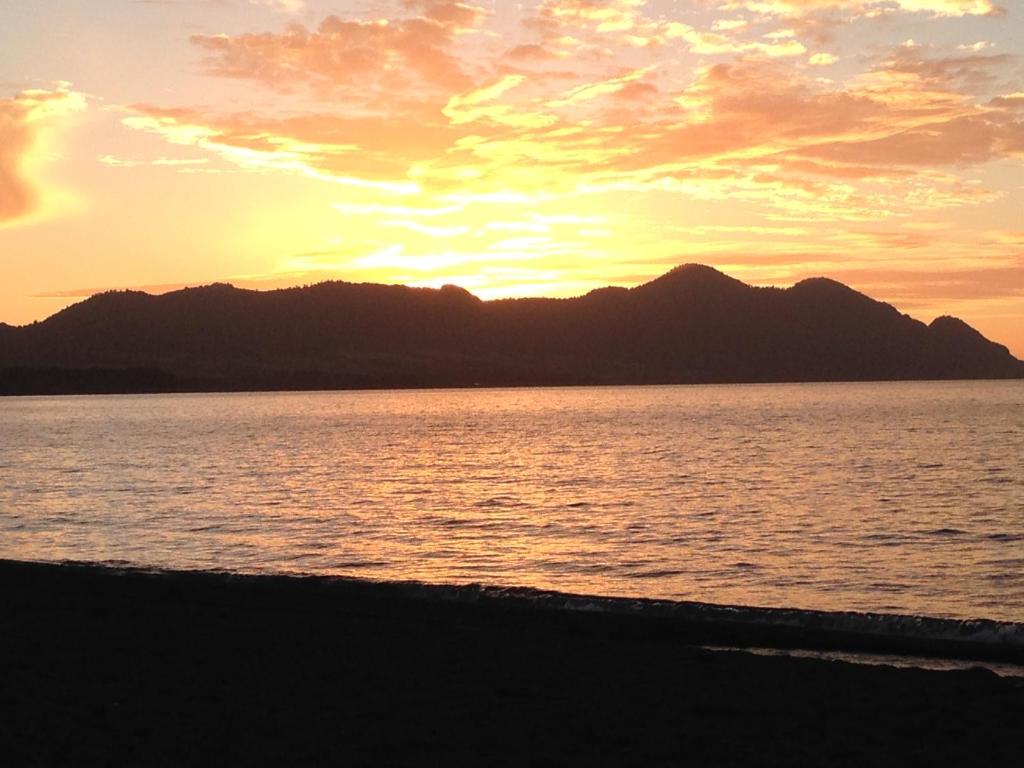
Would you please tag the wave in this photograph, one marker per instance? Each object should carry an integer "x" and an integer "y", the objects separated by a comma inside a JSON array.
[{"x": 923, "y": 635}]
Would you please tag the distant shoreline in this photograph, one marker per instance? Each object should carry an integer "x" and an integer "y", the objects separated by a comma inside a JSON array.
[
  {"x": 113, "y": 666},
  {"x": 35, "y": 382}
]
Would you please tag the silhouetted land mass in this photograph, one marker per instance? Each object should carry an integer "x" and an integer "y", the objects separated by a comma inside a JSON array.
[
  {"x": 692, "y": 325},
  {"x": 105, "y": 668}
]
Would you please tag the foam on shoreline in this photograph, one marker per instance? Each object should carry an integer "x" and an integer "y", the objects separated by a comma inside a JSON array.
[{"x": 896, "y": 635}]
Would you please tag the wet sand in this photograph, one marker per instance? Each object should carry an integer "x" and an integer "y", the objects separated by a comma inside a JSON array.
[{"x": 101, "y": 667}]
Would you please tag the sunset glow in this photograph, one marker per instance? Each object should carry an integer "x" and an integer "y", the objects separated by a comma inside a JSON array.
[{"x": 515, "y": 149}]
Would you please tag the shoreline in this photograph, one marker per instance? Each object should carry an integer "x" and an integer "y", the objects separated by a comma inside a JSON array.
[
  {"x": 107, "y": 665},
  {"x": 68, "y": 382},
  {"x": 712, "y": 625}
]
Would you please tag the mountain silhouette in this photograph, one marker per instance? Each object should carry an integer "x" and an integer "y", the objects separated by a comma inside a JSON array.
[{"x": 691, "y": 325}]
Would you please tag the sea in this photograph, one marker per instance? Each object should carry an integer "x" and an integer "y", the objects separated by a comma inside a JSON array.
[{"x": 903, "y": 498}]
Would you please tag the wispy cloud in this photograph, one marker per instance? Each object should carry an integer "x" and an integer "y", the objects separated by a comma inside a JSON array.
[
  {"x": 25, "y": 121},
  {"x": 872, "y": 8}
]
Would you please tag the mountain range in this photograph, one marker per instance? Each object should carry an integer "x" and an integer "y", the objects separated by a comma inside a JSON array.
[{"x": 691, "y": 325}]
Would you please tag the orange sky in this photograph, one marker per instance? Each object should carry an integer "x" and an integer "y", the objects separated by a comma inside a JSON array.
[{"x": 534, "y": 148}]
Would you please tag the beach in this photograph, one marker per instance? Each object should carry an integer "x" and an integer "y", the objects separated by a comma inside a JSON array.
[{"x": 103, "y": 666}]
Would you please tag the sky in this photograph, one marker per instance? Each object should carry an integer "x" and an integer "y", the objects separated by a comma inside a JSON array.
[{"x": 534, "y": 148}]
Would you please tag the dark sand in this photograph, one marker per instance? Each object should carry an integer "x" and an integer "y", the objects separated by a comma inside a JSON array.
[{"x": 105, "y": 668}]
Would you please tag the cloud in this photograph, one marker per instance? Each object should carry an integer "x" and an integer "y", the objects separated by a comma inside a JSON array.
[
  {"x": 554, "y": 17},
  {"x": 552, "y": 114},
  {"x": 822, "y": 59},
  {"x": 596, "y": 27},
  {"x": 973, "y": 72},
  {"x": 114, "y": 161},
  {"x": 981, "y": 45},
  {"x": 479, "y": 103},
  {"x": 752, "y": 129},
  {"x": 354, "y": 56},
  {"x": 869, "y": 8},
  {"x": 370, "y": 152},
  {"x": 531, "y": 52},
  {"x": 286, "y": 6},
  {"x": 930, "y": 115},
  {"x": 966, "y": 140},
  {"x": 1009, "y": 101},
  {"x": 25, "y": 121}
]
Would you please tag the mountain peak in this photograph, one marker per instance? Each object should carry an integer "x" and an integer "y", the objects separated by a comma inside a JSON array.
[
  {"x": 824, "y": 291},
  {"x": 948, "y": 322},
  {"x": 693, "y": 268},
  {"x": 107, "y": 299},
  {"x": 692, "y": 277},
  {"x": 452, "y": 291},
  {"x": 213, "y": 289},
  {"x": 955, "y": 330},
  {"x": 822, "y": 285}
]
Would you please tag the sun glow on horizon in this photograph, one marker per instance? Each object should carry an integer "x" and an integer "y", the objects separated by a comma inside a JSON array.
[{"x": 546, "y": 149}]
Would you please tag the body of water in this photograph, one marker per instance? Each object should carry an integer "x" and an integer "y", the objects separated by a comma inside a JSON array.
[{"x": 888, "y": 497}]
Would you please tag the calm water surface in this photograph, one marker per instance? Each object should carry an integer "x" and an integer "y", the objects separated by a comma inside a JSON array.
[{"x": 905, "y": 497}]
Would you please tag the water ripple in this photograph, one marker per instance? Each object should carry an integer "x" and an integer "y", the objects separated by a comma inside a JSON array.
[{"x": 902, "y": 497}]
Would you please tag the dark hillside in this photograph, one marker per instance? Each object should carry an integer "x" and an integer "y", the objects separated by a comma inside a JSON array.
[{"x": 691, "y": 325}]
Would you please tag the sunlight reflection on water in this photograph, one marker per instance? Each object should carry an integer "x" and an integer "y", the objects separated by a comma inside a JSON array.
[{"x": 894, "y": 497}]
